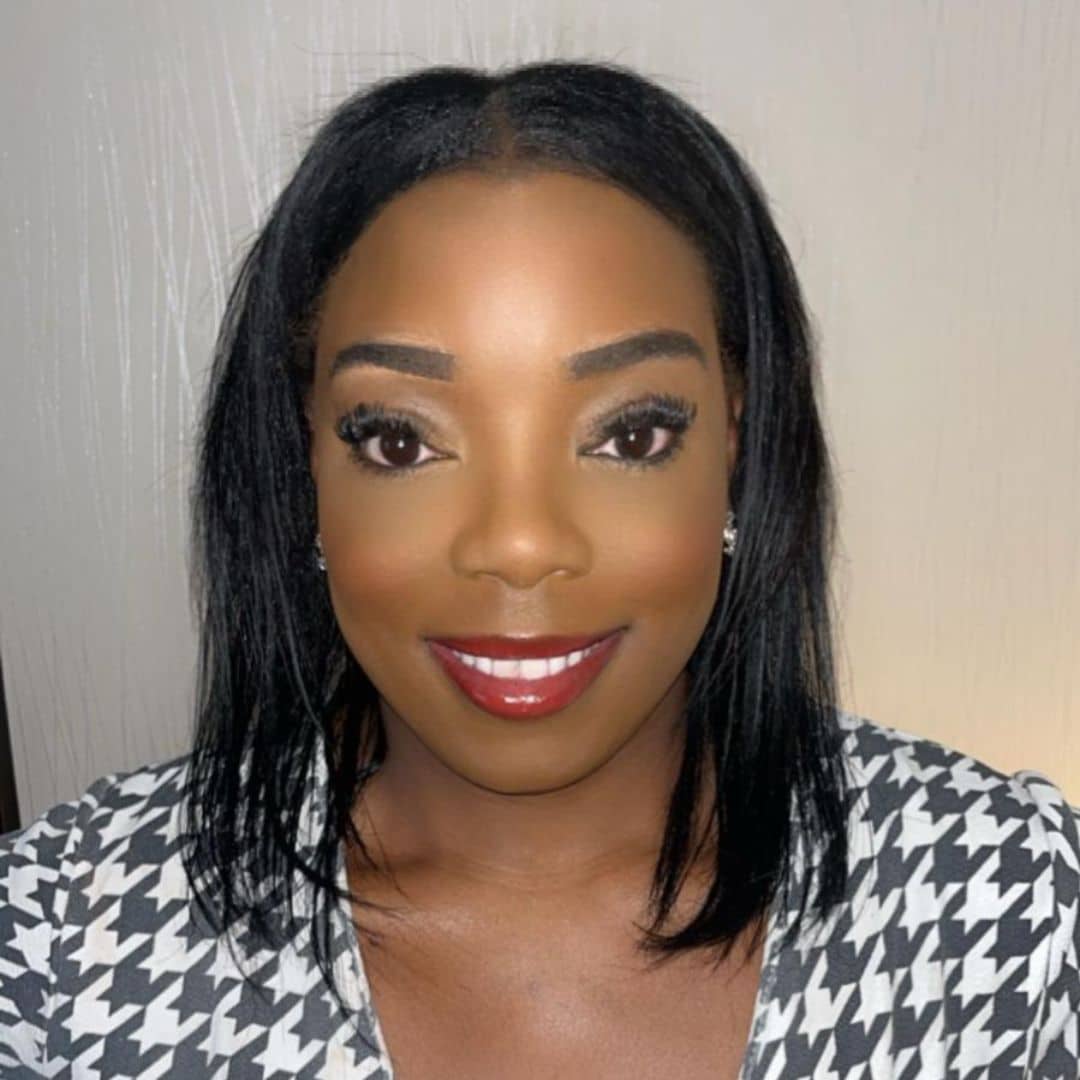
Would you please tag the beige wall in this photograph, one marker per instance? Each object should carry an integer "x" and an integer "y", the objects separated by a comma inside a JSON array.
[{"x": 923, "y": 162}]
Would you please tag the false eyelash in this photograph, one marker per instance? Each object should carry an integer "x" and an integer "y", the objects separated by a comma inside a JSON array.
[
  {"x": 669, "y": 411},
  {"x": 365, "y": 420},
  {"x": 656, "y": 410}
]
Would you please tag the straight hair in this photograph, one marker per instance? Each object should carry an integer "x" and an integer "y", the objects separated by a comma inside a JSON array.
[{"x": 276, "y": 685}]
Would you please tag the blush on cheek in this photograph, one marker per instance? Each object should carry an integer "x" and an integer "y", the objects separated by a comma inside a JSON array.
[
  {"x": 379, "y": 588},
  {"x": 667, "y": 569},
  {"x": 665, "y": 576},
  {"x": 383, "y": 572}
]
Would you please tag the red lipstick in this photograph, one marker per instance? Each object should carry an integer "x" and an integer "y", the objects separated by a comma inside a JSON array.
[{"x": 557, "y": 669}]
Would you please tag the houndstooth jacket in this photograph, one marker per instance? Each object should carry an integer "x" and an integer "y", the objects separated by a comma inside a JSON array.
[{"x": 956, "y": 955}]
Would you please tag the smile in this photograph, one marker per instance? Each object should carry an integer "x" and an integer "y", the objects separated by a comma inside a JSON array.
[{"x": 525, "y": 686}]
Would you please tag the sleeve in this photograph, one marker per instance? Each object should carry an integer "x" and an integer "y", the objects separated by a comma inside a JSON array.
[
  {"x": 1056, "y": 1044},
  {"x": 32, "y": 901}
]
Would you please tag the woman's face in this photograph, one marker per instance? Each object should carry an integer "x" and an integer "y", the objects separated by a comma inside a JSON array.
[{"x": 508, "y": 504}]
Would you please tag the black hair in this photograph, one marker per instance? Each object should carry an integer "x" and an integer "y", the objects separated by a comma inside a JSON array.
[{"x": 275, "y": 677}]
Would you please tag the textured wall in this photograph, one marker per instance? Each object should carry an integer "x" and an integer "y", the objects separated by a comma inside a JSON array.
[{"x": 923, "y": 159}]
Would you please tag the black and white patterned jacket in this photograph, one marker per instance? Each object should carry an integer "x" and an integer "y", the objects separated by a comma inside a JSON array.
[{"x": 956, "y": 956}]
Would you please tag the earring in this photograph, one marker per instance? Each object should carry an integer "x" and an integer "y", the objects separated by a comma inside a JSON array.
[
  {"x": 730, "y": 533},
  {"x": 320, "y": 558}
]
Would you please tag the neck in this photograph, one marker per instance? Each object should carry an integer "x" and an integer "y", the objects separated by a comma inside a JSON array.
[{"x": 423, "y": 816}]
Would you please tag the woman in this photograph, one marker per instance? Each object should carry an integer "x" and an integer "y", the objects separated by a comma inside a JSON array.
[{"x": 517, "y": 751}]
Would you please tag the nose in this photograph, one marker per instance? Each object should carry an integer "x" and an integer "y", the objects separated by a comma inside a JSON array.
[{"x": 521, "y": 528}]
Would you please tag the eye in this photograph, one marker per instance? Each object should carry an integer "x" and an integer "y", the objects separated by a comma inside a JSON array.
[
  {"x": 383, "y": 441},
  {"x": 392, "y": 444},
  {"x": 631, "y": 434}
]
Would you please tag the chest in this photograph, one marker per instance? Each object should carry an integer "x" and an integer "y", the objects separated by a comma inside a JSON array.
[{"x": 557, "y": 1007}]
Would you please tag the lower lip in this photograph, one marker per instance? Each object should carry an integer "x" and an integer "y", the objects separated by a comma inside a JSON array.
[{"x": 527, "y": 697}]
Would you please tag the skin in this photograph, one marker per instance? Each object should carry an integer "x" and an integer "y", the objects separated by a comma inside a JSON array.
[{"x": 521, "y": 850}]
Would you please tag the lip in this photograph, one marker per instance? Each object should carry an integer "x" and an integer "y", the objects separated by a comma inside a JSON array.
[{"x": 522, "y": 698}]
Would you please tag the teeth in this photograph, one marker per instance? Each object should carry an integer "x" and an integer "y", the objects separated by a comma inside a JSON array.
[
  {"x": 506, "y": 669},
  {"x": 534, "y": 669},
  {"x": 524, "y": 669}
]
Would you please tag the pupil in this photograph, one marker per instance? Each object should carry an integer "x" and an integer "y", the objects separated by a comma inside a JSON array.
[
  {"x": 639, "y": 439},
  {"x": 395, "y": 455}
]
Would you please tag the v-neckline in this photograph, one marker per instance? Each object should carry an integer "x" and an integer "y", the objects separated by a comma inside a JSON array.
[{"x": 762, "y": 998}]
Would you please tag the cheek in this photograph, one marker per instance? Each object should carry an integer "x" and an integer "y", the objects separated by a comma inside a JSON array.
[
  {"x": 373, "y": 573},
  {"x": 656, "y": 550},
  {"x": 383, "y": 545},
  {"x": 662, "y": 570},
  {"x": 669, "y": 562}
]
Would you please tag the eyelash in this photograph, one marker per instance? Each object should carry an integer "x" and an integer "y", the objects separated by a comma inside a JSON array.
[{"x": 668, "y": 411}]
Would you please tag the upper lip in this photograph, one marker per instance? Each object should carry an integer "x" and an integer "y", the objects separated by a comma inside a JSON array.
[{"x": 523, "y": 648}]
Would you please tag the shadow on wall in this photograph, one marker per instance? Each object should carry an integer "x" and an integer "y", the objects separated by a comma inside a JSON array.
[{"x": 9, "y": 803}]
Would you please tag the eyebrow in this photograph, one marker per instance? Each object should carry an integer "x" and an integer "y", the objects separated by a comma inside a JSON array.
[{"x": 660, "y": 344}]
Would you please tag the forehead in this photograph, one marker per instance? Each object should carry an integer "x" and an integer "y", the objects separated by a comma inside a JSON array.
[{"x": 547, "y": 259}]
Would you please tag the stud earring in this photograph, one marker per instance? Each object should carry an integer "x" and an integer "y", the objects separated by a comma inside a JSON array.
[
  {"x": 730, "y": 533},
  {"x": 320, "y": 558}
]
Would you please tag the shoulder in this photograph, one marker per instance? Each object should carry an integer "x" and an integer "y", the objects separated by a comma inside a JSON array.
[
  {"x": 114, "y": 811},
  {"x": 957, "y": 948},
  {"x": 71, "y": 855},
  {"x": 913, "y": 780},
  {"x": 968, "y": 880}
]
